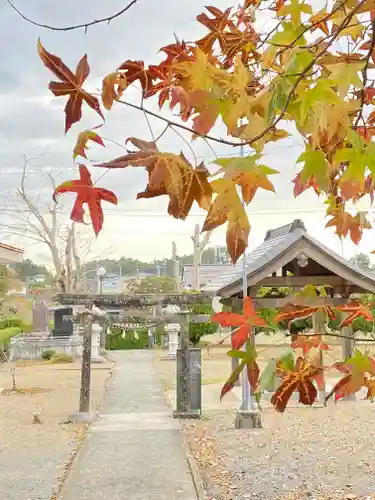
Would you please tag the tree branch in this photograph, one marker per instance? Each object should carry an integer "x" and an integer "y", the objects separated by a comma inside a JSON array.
[
  {"x": 337, "y": 335},
  {"x": 85, "y": 26},
  {"x": 283, "y": 112},
  {"x": 364, "y": 73}
]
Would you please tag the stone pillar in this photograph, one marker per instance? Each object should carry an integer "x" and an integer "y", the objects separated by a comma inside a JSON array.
[
  {"x": 95, "y": 344},
  {"x": 173, "y": 331},
  {"x": 103, "y": 336}
]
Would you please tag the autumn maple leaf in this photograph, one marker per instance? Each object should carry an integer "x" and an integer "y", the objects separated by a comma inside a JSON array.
[
  {"x": 346, "y": 223},
  {"x": 356, "y": 369},
  {"x": 301, "y": 380},
  {"x": 306, "y": 343},
  {"x": 247, "y": 173},
  {"x": 247, "y": 358},
  {"x": 70, "y": 85},
  {"x": 300, "y": 187},
  {"x": 228, "y": 208},
  {"x": 136, "y": 71},
  {"x": 244, "y": 322},
  {"x": 82, "y": 140},
  {"x": 217, "y": 28},
  {"x": 292, "y": 312},
  {"x": 113, "y": 87},
  {"x": 369, "y": 383},
  {"x": 88, "y": 194},
  {"x": 355, "y": 310},
  {"x": 169, "y": 174}
]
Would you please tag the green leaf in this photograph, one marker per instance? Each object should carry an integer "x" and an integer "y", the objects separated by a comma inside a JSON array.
[
  {"x": 287, "y": 360},
  {"x": 237, "y": 353},
  {"x": 315, "y": 165},
  {"x": 289, "y": 34},
  {"x": 268, "y": 375}
]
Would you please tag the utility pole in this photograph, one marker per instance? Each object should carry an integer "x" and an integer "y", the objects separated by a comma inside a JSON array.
[
  {"x": 199, "y": 247},
  {"x": 176, "y": 266},
  {"x": 248, "y": 416}
]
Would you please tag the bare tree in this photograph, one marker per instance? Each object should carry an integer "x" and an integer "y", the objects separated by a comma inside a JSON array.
[{"x": 39, "y": 219}]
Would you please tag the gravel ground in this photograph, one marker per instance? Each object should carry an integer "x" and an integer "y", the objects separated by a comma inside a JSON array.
[
  {"x": 305, "y": 454},
  {"x": 33, "y": 457}
]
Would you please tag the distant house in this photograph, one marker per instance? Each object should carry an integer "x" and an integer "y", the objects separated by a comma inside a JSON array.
[
  {"x": 10, "y": 254},
  {"x": 37, "y": 279},
  {"x": 207, "y": 273}
]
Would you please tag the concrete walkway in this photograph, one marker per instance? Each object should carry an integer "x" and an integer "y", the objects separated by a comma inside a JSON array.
[{"x": 135, "y": 450}]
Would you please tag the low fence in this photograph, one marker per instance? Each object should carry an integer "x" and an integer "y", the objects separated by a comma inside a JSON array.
[{"x": 26, "y": 346}]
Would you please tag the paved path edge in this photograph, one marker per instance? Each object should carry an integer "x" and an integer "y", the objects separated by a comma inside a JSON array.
[{"x": 66, "y": 466}]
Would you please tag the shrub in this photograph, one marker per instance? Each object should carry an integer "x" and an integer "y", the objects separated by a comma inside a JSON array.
[
  {"x": 198, "y": 330},
  {"x": 61, "y": 358},
  {"x": 115, "y": 341},
  {"x": 48, "y": 354}
]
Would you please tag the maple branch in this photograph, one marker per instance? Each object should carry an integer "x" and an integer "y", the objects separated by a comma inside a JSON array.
[
  {"x": 76, "y": 26},
  {"x": 337, "y": 335},
  {"x": 283, "y": 112},
  {"x": 187, "y": 143},
  {"x": 179, "y": 125},
  {"x": 364, "y": 74}
]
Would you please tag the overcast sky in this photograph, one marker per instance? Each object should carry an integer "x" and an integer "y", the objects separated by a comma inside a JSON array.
[{"x": 32, "y": 124}]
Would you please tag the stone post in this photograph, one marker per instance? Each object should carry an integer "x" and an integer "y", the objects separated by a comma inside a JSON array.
[
  {"x": 173, "y": 331},
  {"x": 95, "y": 343}
]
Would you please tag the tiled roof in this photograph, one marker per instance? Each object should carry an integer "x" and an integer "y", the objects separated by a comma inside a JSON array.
[
  {"x": 207, "y": 273},
  {"x": 276, "y": 243}
]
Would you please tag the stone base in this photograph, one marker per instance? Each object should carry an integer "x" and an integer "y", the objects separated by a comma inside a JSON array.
[
  {"x": 169, "y": 357},
  {"x": 187, "y": 414},
  {"x": 248, "y": 420},
  {"x": 97, "y": 359},
  {"x": 83, "y": 418}
]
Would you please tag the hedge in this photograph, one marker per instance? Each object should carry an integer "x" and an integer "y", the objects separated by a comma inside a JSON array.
[
  {"x": 116, "y": 341},
  {"x": 15, "y": 321}
]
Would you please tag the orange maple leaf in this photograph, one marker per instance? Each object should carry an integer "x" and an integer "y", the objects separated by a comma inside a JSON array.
[
  {"x": 356, "y": 370},
  {"x": 244, "y": 322},
  {"x": 301, "y": 380},
  {"x": 71, "y": 85},
  {"x": 346, "y": 223},
  {"x": 306, "y": 343},
  {"x": 168, "y": 174},
  {"x": 228, "y": 208},
  {"x": 355, "y": 310},
  {"x": 300, "y": 187},
  {"x": 88, "y": 194}
]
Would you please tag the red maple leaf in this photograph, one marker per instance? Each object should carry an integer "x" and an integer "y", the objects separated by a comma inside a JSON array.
[
  {"x": 244, "y": 322},
  {"x": 307, "y": 343},
  {"x": 355, "y": 310},
  {"x": 135, "y": 70},
  {"x": 88, "y": 194},
  {"x": 300, "y": 187},
  {"x": 70, "y": 85}
]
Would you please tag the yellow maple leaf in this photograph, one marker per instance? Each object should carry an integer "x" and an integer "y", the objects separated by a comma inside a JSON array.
[{"x": 346, "y": 75}]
